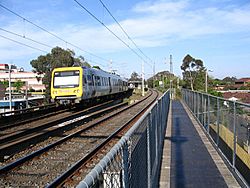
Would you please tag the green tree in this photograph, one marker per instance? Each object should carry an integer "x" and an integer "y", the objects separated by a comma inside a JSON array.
[
  {"x": 134, "y": 77},
  {"x": 44, "y": 64},
  {"x": 80, "y": 61},
  {"x": 96, "y": 67},
  {"x": 18, "y": 85},
  {"x": 229, "y": 80},
  {"x": 5, "y": 83},
  {"x": 192, "y": 69}
]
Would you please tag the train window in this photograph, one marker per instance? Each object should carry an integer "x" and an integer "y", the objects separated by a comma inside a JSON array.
[
  {"x": 66, "y": 73},
  {"x": 98, "y": 81},
  {"x": 85, "y": 80},
  {"x": 102, "y": 82},
  {"x": 90, "y": 83},
  {"x": 66, "y": 79}
]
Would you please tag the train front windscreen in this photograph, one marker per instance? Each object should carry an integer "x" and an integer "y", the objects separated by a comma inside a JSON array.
[{"x": 66, "y": 79}]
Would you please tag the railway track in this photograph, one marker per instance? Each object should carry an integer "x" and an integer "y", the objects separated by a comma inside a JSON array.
[
  {"x": 57, "y": 161},
  {"x": 17, "y": 138},
  {"x": 24, "y": 116},
  {"x": 13, "y": 117}
]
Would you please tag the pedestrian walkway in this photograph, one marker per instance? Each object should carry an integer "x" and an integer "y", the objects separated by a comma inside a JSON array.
[{"x": 192, "y": 161}]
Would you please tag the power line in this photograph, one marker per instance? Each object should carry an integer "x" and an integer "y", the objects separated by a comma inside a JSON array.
[
  {"x": 23, "y": 44},
  {"x": 56, "y": 36},
  {"x": 123, "y": 30},
  {"x": 18, "y": 15},
  {"x": 91, "y": 14},
  {"x": 24, "y": 37}
]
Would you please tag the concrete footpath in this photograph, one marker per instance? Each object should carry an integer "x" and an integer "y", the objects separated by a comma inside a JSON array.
[{"x": 189, "y": 159}]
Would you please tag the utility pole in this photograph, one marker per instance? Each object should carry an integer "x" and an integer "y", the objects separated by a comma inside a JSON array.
[
  {"x": 26, "y": 94},
  {"x": 154, "y": 75},
  {"x": 206, "y": 82},
  {"x": 110, "y": 66},
  {"x": 10, "y": 97},
  {"x": 171, "y": 65},
  {"x": 178, "y": 83},
  {"x": 206, "y": 79},
  {"x": 142, "y": 76},
  {"x": 171, "y": 79}
]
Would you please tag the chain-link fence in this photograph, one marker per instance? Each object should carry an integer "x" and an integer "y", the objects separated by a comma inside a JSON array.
[
  {"x": 228, "y": 125},
  {"x": 136, "y": 159}
]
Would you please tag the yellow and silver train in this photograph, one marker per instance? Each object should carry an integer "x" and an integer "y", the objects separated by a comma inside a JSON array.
[{"x": 74, "y": 84}]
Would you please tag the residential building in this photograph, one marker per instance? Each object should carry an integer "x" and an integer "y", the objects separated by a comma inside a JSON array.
[{"x": 19, "y": 74}]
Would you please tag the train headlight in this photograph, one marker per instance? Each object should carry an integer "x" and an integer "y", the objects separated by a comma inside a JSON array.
[{"x": 77, "y": 91}]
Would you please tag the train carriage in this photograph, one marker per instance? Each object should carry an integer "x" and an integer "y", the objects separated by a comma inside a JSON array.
[{"x": 74, "y": 84}]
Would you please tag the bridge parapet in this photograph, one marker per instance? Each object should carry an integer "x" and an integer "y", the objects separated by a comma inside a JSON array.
[
  {"x": 228, "y": 125},
  {"x": 135, "y": 160}
]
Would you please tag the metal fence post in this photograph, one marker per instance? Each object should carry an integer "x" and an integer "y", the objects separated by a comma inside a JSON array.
[
  {"x": 195, "y": 102},
  {"x": 125, "y": 160},
  {"x": 205, "y": 111},
  {"x": 208, "y": 114},
  {"x": 202, "y": 109},
  {"x": 189, "y": 98},
  {"x": 194, "y": 107},
  {"x": 218, "y": 122},
  {"x": 148, "y": 149},
  {"x": 198, "y": 105},
  {"x": 235, "y": 141},
  {"x": 184, "y": 95}
]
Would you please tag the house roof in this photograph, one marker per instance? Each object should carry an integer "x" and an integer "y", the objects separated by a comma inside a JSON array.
[
  {"x": 243, "y": 80},
  {"x": 244, "y": 97}
]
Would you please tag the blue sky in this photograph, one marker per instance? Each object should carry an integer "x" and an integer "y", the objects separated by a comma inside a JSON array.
[{"x": 216, "y": 31}]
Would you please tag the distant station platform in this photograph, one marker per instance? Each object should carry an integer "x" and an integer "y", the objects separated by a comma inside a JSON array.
[
  {"x": 20, "y": 103},
  {"x": 189, "y": 159}
]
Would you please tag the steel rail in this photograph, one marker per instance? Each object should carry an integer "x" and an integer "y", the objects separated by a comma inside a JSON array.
[
  {"x": 5, "y": 169},
  {"x": 52, "y": 122},
  {"x": 50, "y": 129},
  {"x": 28, "y": 120},
  {"x": 26, "y": 110},
  {"x": 70, "y": 172}
]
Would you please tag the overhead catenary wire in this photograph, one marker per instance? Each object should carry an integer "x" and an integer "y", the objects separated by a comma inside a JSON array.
[
  {"x": 124, "y": 30},
  {"x": 32, "y": 41},
  {"x": 56, "y": 36},
  {"x": 98, "y": 20},
  {"x": 7, "y": 38},
  {"x": 24, "y": 37}
]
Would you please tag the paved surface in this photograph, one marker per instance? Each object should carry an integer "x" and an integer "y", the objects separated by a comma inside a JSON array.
[{"x": 191, "y": 163}]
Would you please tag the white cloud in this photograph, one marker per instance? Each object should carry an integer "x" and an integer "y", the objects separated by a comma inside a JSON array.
[
  {"x": 160, "y": 6},
  {"x": 151, "y": 24}
]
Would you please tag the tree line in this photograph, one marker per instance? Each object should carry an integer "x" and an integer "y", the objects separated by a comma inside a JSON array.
[{"x": 58, "y": 57}]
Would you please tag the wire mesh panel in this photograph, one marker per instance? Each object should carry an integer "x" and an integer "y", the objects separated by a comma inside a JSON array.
[
  {"x": 242, "y": 136},
  {"x": 135, "y": 160},
  {"x": 224, "y": 128},
  {"x": 112, "y": 175},
  {"x": 228, "y": 124},
  {"x": 214, "y": 118},
  {"x": 139, "y": 171}
]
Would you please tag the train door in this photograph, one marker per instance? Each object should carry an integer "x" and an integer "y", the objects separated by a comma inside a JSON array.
[
  {"x": 90, "y": 83},
  {"x": 110, "y": 86},
  {"x": 85, "y": 84},
  {"x": 93, "y": 85}
]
